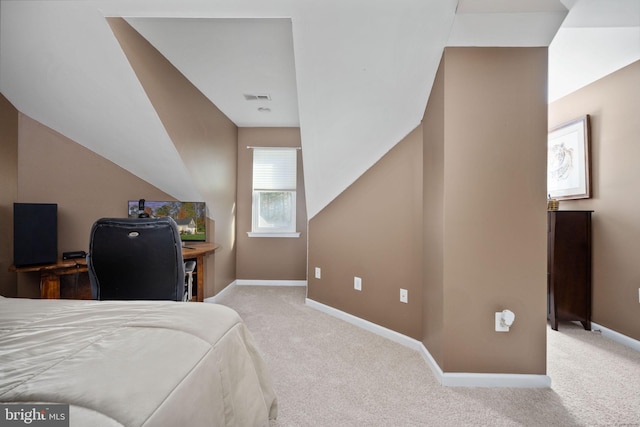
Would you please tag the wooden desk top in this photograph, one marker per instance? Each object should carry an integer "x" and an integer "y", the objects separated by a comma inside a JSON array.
[
  {"x": 191, "y": 250},
  {"x": 67, "y": 264}
]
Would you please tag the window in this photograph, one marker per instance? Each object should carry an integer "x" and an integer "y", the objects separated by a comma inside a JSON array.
[{"x": 274, "y": 192}]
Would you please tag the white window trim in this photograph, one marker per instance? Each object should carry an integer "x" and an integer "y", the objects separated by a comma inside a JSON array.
[
  {"x": 294, "y": 234},
  {"x": 285, "y": 232}
]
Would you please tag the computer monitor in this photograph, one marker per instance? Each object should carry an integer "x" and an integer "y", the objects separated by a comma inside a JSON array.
[{"x": 191, "y": 217}]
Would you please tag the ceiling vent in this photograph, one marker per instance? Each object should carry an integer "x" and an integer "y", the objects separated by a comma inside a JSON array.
[{"x": 257, "y": 97}]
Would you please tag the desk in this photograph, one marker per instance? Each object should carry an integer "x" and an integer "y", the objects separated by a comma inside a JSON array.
[
  {"x": 198, "y": 251},
  {"x": 50, "y": 273}
]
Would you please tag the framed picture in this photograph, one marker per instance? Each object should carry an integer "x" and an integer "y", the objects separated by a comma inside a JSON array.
[{"x": 568, "y": 161}]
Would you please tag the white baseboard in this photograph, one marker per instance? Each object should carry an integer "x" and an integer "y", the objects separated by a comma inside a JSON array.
[
  {"x": 450, "y": 379},
  {"x": 270, "y": 282},
  {"x": 214, "y": 298},
  {"x": 617, "y": 336},
  {"x": 365, "y": 324}
]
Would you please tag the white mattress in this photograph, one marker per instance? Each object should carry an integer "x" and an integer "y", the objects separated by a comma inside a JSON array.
[{"x": 134, "y": 363}]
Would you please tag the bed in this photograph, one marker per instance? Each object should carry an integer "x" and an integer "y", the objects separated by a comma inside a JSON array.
[{"x": 134, "y": 363}]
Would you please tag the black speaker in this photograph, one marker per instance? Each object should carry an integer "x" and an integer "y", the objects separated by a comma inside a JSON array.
[{"x": 35, "y": 233}]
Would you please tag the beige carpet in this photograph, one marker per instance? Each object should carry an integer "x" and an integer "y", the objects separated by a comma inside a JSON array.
[{"x": 330, "y": 373}]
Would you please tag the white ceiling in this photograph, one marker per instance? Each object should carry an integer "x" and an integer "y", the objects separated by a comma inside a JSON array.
[
  {"x": 227, "y": 58},
  {"x": 597, "y": 38},
  {"x": 354, "y": 75}
]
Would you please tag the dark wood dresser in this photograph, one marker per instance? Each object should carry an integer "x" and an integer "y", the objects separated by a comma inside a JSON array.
[{"x": 569, "y": 267}]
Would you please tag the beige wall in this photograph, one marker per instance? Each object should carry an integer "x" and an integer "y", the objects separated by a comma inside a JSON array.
[
  {"x": 613, "y": 105},
  {"x": 205, "y": 138},
  {"x": 263, "y": 258},
  {"x": 8, "y": 193},
  {"x": 372, "y": 230},
  {"x": 485, "y": 176},
  {"x": 86, "y": 187}
]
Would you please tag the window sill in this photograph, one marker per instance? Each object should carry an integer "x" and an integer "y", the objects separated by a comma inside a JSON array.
[{"x": 293, "y": 234}]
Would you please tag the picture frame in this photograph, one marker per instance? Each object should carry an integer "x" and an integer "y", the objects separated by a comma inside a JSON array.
[{"x": 568, "y": 160}]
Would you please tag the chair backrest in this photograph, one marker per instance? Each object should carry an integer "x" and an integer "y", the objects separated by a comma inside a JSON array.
[{"x": 136, "y": 259}]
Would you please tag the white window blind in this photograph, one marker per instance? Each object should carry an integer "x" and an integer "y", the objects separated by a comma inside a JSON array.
[{"x": 274, "y": 169}]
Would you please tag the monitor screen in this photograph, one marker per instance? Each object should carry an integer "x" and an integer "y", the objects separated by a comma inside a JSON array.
[{"x": 191, "y": 217}]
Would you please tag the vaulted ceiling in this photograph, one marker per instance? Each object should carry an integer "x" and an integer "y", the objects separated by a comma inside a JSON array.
[{"x": 354, "y": 75}]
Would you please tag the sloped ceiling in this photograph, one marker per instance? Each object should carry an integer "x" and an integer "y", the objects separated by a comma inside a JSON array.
[
  {"x": 596, "y": 39},
  {"x": 354, "y": 75}
]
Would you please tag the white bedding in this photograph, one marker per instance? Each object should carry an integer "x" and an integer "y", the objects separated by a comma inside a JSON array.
[{"x": 134, "y": 363}]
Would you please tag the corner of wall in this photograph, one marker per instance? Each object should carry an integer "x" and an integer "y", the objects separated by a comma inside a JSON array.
[
  {"x": 9, "y": 193},
  {"x": 485, "y": 217}
]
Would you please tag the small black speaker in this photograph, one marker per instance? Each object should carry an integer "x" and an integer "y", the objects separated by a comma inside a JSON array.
[{"x": 35, "y": 233}]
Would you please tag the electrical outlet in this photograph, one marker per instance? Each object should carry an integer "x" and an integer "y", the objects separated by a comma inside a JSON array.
[
  {"x": 318, "y": 272},
  {"x": 499, "y": 326},
  {"x": 404, "y": 295},
  {"x": 357, "y": 283}
]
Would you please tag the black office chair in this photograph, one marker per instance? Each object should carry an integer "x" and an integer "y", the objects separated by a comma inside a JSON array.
[{"x": 136, "y": 259}]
